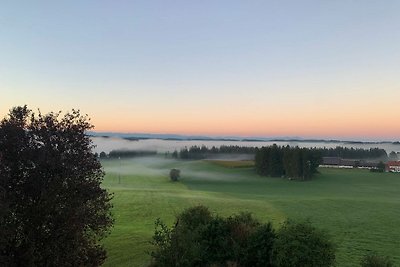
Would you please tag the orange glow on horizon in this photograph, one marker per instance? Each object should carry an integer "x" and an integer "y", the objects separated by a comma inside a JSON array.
[{"x": 323, "y": 125}]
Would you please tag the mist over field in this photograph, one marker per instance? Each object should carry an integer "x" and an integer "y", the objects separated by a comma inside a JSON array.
[
  {"x": 162, "y": 146},
  {"x": 357, "y": 207},
  {"x": 159, "y": 166}
]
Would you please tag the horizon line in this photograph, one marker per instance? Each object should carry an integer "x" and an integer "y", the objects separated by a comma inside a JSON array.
[{"x": 239, "y": 137}]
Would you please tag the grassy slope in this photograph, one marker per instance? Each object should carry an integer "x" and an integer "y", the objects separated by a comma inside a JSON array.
[{"x": 358, "y": 208}]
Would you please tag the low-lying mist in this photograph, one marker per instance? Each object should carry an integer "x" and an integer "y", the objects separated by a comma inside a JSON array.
[{"x": 161, "y": 166}]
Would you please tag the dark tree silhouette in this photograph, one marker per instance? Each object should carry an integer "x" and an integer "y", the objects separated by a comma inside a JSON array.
[
  {"x": 174, "y": 174},
  {"x": 393, "y": 156},
  {"x": 53, "y": 210},
  {"x": 292, "y": 162}
]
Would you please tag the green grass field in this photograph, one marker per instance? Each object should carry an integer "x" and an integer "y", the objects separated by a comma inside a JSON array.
[{"x": 360, "y": 209}]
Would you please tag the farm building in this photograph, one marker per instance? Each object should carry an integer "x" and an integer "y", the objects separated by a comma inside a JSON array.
[
  {"x": 393, "y": 166},
  {"x": 347, "y": 163},
  {"x": 331, "y": 161}
]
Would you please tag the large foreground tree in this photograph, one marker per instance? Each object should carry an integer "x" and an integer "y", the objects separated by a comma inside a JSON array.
[{"x": 53, "y": 211}]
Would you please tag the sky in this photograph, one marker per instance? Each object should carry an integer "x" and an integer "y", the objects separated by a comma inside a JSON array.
[{"x": 324, "y": 69}]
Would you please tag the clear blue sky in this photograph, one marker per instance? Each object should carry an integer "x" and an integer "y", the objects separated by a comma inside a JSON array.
[{"x": 208, "y": 67}]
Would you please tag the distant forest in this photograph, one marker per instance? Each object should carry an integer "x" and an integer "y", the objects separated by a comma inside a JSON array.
[
  {"x": 128, "y": 153},
  {"x": 353, "y": 153},
  {"x": 203, "y": 152}
]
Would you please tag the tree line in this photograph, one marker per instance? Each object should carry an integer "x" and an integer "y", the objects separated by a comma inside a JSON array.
[
  {"x": 293, "y": 162},
  {"x": 115, "y": 154},
  {"x": 353, "y": 153},
  {"x": 202, "y": 152}
]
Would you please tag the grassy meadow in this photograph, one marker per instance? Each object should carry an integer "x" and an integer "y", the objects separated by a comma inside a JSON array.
[{"x": 359, "y": 209}]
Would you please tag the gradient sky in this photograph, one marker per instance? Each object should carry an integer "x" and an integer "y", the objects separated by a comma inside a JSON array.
[{"x": 328, "y": 69}]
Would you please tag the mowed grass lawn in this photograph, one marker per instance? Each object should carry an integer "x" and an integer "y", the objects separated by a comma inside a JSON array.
[{"x": 359, "y": 209}]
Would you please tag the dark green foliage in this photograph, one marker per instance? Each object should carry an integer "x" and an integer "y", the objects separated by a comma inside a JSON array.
[
  {"x": 194, "y": 217},
  {"x": 184, "y": 153},
  {"x": 174, "y": 174},
  {"x": 393, "y": 156},
  {"x": 292, "y": 162},
  {"x": 54, "y": 211},
  {"x": 164, "y": 252},
  {"x": 130, "y": 153},
  {"x": 275, "y": 167},
  {"x": 300, "y": 244},
  {"x": 259, "y": 247},
  {"x": 379, "y": 168},
  {"x": 353, "y": 153},
  {"x": 179, "y": 246},
  {"x": 103, "y": 155},
  {"x": 196, "y": 152},
  {"x": 241, "y": 227},
  {"x": 200, "y": 239},
  {"x": 215, "y": 242},
  {"x": 375, "y": 260}
]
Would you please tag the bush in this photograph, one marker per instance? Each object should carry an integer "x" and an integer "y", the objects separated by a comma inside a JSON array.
[
  {"x": 215, "y": 242},
  {"x": 374, "y": 260},
  {"x": 260, "y": 246},
  {"x": 241, "y": 226},
  {"x": 180, "y": 245},
  {"x": 193, "y": 217},
  {"x": 200, "y": 239},
  {"x": 174, "y": 174},
  {"x": 300, "y": 244}
]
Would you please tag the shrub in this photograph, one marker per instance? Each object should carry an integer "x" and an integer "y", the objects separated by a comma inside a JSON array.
[
  {"x": 200, "y": 239},
  {"x": 260, "y": 246},
  {"x": 241, "y": 226},
  {"x": 215, "y": 242},
  {"x": 193, "y": 217},
  {"x": 174, "y": 174},
  {"x": 180, "y": 245},
  {"x": 300, "y": 244}
]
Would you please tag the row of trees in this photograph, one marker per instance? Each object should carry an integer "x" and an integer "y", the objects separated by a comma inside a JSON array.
[
  {"x": 200, "y": 238},
  {"x": 353, "y": 153},
  {"x": 115, "y": 154},
  {"x": 202, "y": 152},
  {"x": 292, "y": 162}
]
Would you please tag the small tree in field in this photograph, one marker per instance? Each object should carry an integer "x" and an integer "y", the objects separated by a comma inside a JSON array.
[
  {"x": 103, "y": 155},
  {"x": 174, "y": 174},
  {"x": 53, "y": 210}
]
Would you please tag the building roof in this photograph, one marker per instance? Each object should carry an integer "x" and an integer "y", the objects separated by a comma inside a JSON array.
[
  {"x": 393, "y": 163},
  {"x": 330, "y": 160}
]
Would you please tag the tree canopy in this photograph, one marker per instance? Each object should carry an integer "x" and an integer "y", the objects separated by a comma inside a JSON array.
[
  {"x": 201, "y": 238},
  {"x": 53, "y": 210},
  {"x": 292, "y": 162}
]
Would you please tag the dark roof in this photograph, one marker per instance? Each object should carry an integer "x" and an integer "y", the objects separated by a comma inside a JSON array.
[
  {"x": 331, "y": 160},
  {"x": 347, "y": 162}
]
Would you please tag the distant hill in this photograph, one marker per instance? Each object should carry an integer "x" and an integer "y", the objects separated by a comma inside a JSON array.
[{"x": 177, "y": 137}]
